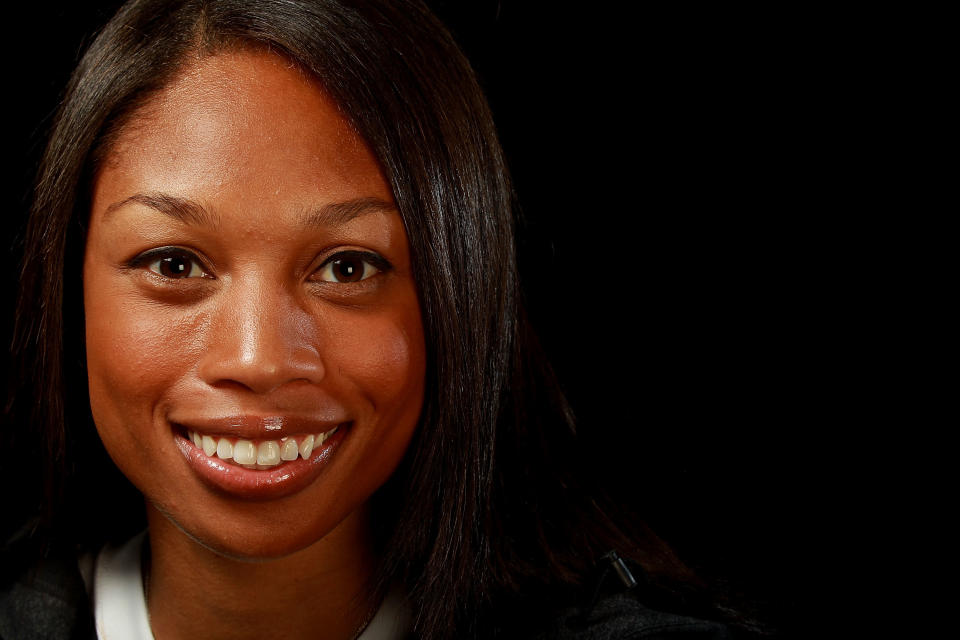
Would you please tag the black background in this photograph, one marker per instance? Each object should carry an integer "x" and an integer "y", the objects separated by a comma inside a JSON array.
[{"x": 667, "y": 253}]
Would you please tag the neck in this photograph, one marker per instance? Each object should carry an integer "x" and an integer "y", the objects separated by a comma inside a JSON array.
[{"x": 321, "y": 590}]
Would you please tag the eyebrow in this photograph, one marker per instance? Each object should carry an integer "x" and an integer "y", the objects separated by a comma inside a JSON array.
[
  {"x": 191, "y": 212},
  {"x": 182, "y": 209},
  {"x": 337, "y": 213}
]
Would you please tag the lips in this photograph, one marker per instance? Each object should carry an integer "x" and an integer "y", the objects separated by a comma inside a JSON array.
[{"x": 258, "y": 458}]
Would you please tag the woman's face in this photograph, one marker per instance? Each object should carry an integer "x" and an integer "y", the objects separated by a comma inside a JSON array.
[{"x": 248, "y": 287}]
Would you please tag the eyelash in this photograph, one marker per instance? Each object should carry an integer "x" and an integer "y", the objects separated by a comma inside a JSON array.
[
  {"x": 169, "y": 254},
  {"x": 372, "y": 264}
]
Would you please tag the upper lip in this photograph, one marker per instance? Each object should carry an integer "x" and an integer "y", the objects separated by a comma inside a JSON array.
[{"x": 256, "y": 427}]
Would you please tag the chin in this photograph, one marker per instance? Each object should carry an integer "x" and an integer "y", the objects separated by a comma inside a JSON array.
[{"x": 260, "y": 531}]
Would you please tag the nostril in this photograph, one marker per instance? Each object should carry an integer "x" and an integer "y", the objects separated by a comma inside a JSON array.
[{"x": 259, "y": 339}]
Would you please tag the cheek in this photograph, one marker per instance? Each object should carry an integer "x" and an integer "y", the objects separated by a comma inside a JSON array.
[
  {"x": 380, "y": 365},
  {"x": 134, "y": 355},
  {"x": 382, "y": 356}
]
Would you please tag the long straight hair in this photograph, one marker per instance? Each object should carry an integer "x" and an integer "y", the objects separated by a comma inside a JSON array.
[{"x": 457, "y": 523}]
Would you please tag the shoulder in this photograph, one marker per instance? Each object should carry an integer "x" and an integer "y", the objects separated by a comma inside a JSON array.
[
  {"x": 42, "y": 594},
  {"x": 622, "y": 617}
]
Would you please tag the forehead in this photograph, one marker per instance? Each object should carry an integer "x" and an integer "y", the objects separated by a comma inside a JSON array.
[{"x": 243, "y": 118}]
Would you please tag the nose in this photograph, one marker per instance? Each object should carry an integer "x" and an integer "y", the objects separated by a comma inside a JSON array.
[{"x": 259, "y": 338}]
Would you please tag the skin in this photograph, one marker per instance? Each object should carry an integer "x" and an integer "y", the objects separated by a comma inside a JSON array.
[{"x": 257, "y": 327}]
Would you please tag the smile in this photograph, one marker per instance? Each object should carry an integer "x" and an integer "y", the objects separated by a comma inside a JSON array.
[
  {"x": 255, "y": 467},
  {"x": 265, "y": 454}
]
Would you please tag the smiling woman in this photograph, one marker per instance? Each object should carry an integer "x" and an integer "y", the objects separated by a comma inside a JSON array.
[
  {"x": 258, "y": 282},
  {"x": 287, "y": 229},
  {"x": 255, "y": 351}
]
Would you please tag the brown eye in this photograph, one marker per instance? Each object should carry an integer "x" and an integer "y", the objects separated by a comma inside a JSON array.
[
  {"x": 346, "y": 268},
  {"x": 178, "y": 266}
]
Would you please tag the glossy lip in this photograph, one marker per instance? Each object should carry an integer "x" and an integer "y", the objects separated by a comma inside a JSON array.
[
  {"x": 283, "y": 480},
  {"x": 251, "y": 427}
]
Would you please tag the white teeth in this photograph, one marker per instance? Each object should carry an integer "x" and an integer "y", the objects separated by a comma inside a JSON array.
[
  {"x": 306, "y": 447},
  {"x": 289, "y": 450},
  {"x": 245, "y": 452},
  {"x": 224, "y": 449},
  {"x": 209, "y": 445},
  {"x": 323, "y": 436},
  {"x": 265, "y": 455},
  {"x": 268, "y": 453}
]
